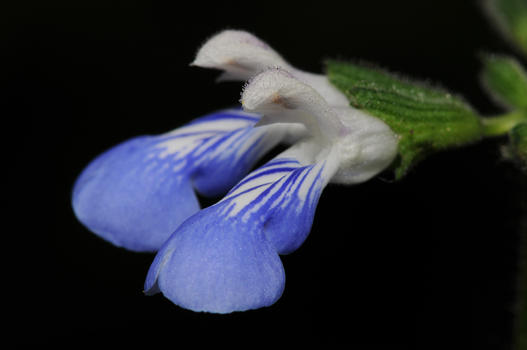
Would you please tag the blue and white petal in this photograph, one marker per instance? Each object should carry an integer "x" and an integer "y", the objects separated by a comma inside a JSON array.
[
  {"x": 282, "y": 195},
  {"x": 225, "y": 258},
  {"x": 137, "y": 193}
]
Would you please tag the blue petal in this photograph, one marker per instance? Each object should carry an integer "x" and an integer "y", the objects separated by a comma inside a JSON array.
[
  {"x": 124, "y": 197},
  {"x": 225, "y": 258},
  {"x": 217, "y": 266},
  {"x": 137, "y": 193}
]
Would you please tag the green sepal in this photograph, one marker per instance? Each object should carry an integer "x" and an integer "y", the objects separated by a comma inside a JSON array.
[
  {"x": 506, "y": 81},
  {"x": 426, "y": 119},
  {"x": 511, "y": 18},
  {"x": 517, "y": 149}
]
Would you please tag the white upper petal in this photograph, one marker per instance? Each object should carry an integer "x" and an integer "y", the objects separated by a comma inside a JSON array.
[
  {"x": 281, "y": 97},
  {"x": 242, "y": 55},
  {"x": 321, "y": 83}
]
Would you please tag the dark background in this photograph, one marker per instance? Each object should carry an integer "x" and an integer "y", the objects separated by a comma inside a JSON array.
[{"x": 424, "y": 263}]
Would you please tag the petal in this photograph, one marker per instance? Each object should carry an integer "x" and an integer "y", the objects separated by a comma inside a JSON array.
[
  {"x": 241, "y": 55},
  {"x": 369, "y": 147},
  {"x": 366, "y": 145},
  {"x": 224, "y": 258},
  {"x": 217, "y": 266},
  {"x": 281, "y": 97},
  {"x": 137, "y": 193},
  {"x": 283, "y": 194},
  {"x": 124, "y": 196}
]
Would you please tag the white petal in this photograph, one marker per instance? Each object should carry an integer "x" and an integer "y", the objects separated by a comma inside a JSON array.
[
  {"x": 321, "y": 83},
  {"x": 282, "y": 98},
  {"x": 368, "y": 148},
  {"x": 365, "y": 144},
  {"x": 242, "y": 55}
]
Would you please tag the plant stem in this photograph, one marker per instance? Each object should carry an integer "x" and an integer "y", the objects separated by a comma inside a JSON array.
[{"x": 500, "y": 125}]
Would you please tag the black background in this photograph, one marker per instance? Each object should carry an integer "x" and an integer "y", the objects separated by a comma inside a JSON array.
[{"x": 424, "y": 263}]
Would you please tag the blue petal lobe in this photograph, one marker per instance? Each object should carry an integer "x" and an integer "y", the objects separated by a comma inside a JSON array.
[
  {"x": 218, "y": 266},
  {"x": 137, "y": 193},
  {"x": 133, "y": 200}
]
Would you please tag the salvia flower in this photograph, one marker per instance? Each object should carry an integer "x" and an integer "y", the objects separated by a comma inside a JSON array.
[{"x": 224, "y": 258}]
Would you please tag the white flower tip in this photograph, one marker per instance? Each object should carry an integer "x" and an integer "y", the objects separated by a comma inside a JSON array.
[{"x": 240, "y": 54}]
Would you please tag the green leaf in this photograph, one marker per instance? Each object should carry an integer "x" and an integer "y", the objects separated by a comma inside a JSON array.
[
  {"x": 506, "y": 80},
  {"x": 426, "y": 119},
  {"x": 511, "y": 18},
  {"x": 518, "y": 145}
]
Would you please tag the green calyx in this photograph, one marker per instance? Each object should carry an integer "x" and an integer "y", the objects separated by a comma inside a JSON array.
[{"x": 426, "y": 119}]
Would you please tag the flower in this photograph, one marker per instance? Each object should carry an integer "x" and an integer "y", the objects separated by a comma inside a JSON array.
[
  {"x": 225, "y": 258},
  {"x": 137, "y": 193}
]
